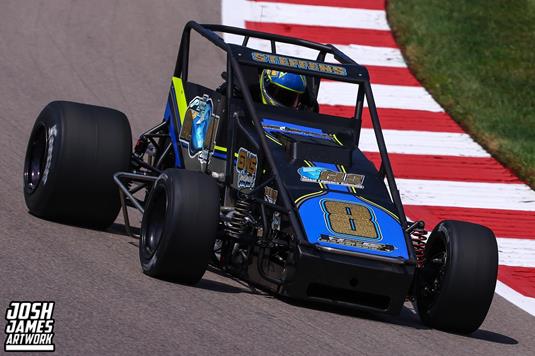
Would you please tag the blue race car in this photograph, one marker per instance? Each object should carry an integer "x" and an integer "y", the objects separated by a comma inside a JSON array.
[{"x": 251, "y": 178}]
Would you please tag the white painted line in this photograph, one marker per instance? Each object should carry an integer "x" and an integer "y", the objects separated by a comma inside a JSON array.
[
  {"x": 29, "y": 347},
  {"x": 423, "y": 143},
  {"x": 467, "y": 194},
  {"x": 516, "y": 252},
  {"x": 231, "y": 15},
  {"x": 525, "y": 303},
  {"x": 511, "y": 251},
  {"x": 386, "y": 96},
  {"x": 312, "y": 15},
  {"x": 375, "y": 56}
]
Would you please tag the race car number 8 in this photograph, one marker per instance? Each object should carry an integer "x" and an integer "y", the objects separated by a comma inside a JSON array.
[{"x": 350, "y": 219}]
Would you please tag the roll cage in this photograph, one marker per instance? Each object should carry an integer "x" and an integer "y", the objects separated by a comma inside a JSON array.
[{"x": 238, "y": 55}]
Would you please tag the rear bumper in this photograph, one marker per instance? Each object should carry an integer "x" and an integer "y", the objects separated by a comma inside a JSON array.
[{"x": 349, "y": 280}]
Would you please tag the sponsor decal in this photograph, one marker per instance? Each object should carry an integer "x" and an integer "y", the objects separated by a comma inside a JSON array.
[
  {"x": 348, "y": 218},
  {"x": 29, "y": 326},
  {"x": 326, "y": 176},
  {"x": 199, "y": 127},
  {"x": 357, "y": 243},
  {"x": 246, "y": 168},
  {"x": 295, "y": 131},
  {"x": 52, "y": 133},
  {"x": 270, "y": 195},
  {"x": 299, "y": 63}
]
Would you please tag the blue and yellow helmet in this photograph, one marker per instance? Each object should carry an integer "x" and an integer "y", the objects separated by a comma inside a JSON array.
[{"x": 281, "y": 89}]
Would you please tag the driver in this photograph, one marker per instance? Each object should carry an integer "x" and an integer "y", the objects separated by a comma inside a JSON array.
[{"x": 281, "y": 88}]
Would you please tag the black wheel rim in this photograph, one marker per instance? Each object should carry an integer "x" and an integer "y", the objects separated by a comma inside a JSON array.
[
  {"x": 35, "y": 160},
  {"x": 154, "y": 221},
  {"x": 433, "y": 273}
]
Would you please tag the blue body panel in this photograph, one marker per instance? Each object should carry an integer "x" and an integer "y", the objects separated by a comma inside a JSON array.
[
  {"x": 314, "y": 216},
  {"x": 171, "y": 115},
  {"x": 315, "y": 222}
]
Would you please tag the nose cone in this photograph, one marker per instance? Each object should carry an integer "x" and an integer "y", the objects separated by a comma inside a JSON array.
[{"x": 343, "y": 221}]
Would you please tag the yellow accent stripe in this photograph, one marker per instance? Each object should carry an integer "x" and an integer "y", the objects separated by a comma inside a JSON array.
[
  {"x": 336, "y": 139},
  {"x": 343, "y": 169},
  {"x": 264, "y": 101},
  {"x": 180, "y": 98},
  {"x": 309, "y": 195},
  {"x": 273, "y": 139},
  {"x": 219, "y": 148},
  {"x": 287, "y": 88},
  {"x": 283, "y": 86}
]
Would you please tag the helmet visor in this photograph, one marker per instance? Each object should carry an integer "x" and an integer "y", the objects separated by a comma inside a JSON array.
[{"x": 282, "y": 96}]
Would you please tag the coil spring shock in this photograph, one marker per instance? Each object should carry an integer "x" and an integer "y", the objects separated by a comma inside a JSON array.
[
  {"x": 238, "y": 225},
  {"x": 418, "y": 239}
]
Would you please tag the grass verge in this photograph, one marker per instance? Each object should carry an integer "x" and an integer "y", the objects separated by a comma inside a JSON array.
[{"x": 477, "y": 58}]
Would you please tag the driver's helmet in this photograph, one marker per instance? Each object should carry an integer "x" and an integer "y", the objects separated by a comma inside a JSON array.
[{"x": 281, "y": 89}]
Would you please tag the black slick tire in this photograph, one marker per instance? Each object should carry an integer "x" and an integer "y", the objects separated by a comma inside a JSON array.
[
  {"x": 179, "y": 226},
  {"x": 455, "y": 287},
  {"x": 73, "y": 152}
]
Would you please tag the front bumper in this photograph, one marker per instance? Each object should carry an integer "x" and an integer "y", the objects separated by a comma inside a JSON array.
[{"x": 351, "y": 280}]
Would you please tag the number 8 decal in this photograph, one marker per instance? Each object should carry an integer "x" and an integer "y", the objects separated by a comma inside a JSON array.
[{"x": 350, "y": 219}]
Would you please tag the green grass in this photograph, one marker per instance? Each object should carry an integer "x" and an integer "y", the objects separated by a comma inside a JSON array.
[{"x": 477, "y": 58}]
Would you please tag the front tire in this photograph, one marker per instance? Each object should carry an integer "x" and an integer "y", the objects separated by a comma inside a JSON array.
[
  {"x": 179, "y": 226},
  {"x": 455, "y": 287},
  {"x": 73, "y": 152}
]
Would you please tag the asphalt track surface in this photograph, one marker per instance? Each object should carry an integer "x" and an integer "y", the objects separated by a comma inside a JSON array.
[{"x": 121, "y": 54}]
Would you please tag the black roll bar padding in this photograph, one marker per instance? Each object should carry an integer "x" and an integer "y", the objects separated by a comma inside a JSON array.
[
  {"x": 231, "y": 137},
  {"x": 207, "y": 31},
  {"x": 245, "y": 131},
  {"x": 183, "y": 55},
  {"x": 266, "y": 36},
  {"x": 341, "y": 56},
  {"x": 358, "y": 115}
]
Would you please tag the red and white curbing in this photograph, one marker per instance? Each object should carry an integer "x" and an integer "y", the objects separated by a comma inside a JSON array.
[{"x": 443, "y": 173}]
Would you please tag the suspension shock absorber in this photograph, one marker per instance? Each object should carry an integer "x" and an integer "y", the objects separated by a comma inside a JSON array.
[
  {"x": 418, "y": 238},
  {"x": 239, "y": 224}
]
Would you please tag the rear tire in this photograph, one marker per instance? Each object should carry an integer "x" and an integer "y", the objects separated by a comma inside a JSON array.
[
  {"x": 73, "y": 152},
  {"x": 179, "y": 226},
  {"x": 456, "y": 285}
]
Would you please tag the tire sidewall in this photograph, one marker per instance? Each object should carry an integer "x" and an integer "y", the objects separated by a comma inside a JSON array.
[
  {"x": 191, "y": 220},
  {"x": 467, "y": 287},
  {"x": 87, "y": 145},
  {"x": 439, "y": 235},
  {"x": 37, "y": 199},
  {"x": 150, "y": 263}
]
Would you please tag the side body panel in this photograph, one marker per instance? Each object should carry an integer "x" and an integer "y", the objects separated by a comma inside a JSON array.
[{"x": 196, "y": 129}]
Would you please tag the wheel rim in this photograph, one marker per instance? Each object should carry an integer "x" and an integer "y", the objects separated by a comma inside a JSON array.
[
  {"x": 433, "y": 273},
  {"x": 155, "y": 221},
  {"x": 35, "y": 161}
]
